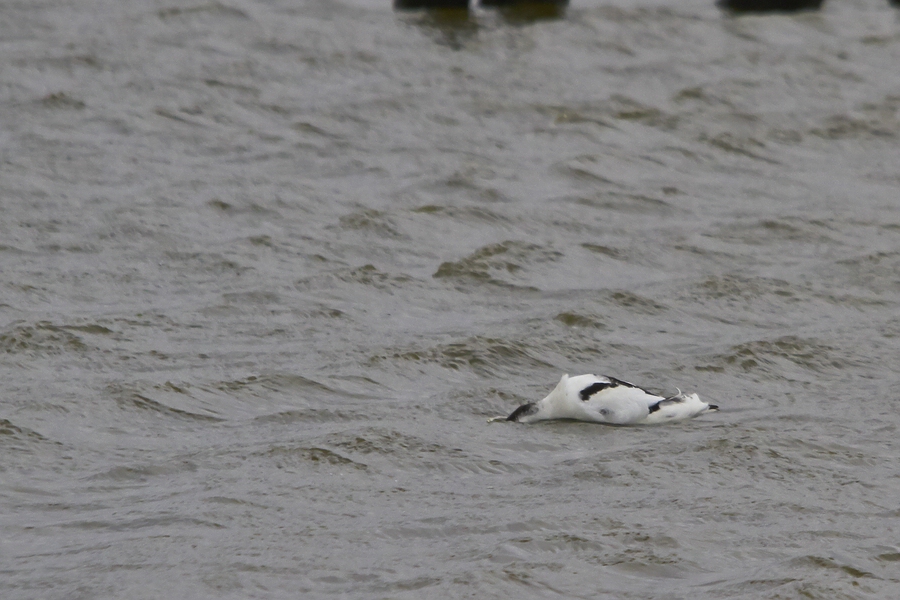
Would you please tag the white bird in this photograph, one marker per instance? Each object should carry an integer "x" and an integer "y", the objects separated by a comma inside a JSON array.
[{"x": 608, "y": 400}]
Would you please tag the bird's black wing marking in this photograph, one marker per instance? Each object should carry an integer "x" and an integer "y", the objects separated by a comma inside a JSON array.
[
  {"x": 665, "y": 402},
  {"x": 631, "y": 385},
  {"x": 592, "y": 389},
  {"x": 615, "y": 382}
]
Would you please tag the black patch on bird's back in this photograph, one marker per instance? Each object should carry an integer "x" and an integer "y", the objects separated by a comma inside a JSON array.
[
  {"x": 523, "y": 411},
  {"x": 623, "y": 383},
  {"x": 672, "y": 400},
  {"x": 592, "y": 389}
]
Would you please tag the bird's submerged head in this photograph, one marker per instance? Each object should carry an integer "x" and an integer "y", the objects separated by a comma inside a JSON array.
[
  {"x": 548, "y": 408},
  {"x": 524, "y": 413}
]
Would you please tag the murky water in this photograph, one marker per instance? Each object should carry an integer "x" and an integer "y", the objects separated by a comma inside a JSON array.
[{"x": 266, "y": 268}]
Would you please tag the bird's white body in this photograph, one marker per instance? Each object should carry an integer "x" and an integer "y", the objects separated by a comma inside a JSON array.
[{"x": 611, "y": 401}]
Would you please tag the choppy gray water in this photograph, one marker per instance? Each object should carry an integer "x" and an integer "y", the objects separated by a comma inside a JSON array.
[{"x": 267, "y": 266}]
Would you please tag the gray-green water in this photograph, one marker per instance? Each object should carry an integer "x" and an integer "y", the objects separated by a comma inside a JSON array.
[{"x": 267, "y": 266}]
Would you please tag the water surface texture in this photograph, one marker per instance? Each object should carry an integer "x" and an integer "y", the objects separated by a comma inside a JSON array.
[{"x": 267, "y": 267}]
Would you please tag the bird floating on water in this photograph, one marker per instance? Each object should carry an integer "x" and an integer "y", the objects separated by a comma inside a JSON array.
[{"x": 611, "y": 401}]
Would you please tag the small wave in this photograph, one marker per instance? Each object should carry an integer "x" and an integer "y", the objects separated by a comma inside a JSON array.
[
  {"x": 767, "y": 232},
  {"x": 367, "y": 275},
  {"x": 370, "y": 221},
  {"x": 464, "y": 214},
  {"x": 772, "y": 356},
  {"x": 481, "y": 354},
  {"x": 503, "y": 263},
  {"x": 577, "y": 320},
  {"x": 736, "y": 287},
  {"x": 142, "y": 473},
  {"x": 814, "y": 562},
  {"x": 15, "y": 437},
  {"x": 128, "y": 398},
  {"x": 293, "y": 456},
  {"x": 384, "y": 442},
  {"x": 634, "y": 303},
  {"x": 41, "y": 339}
]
